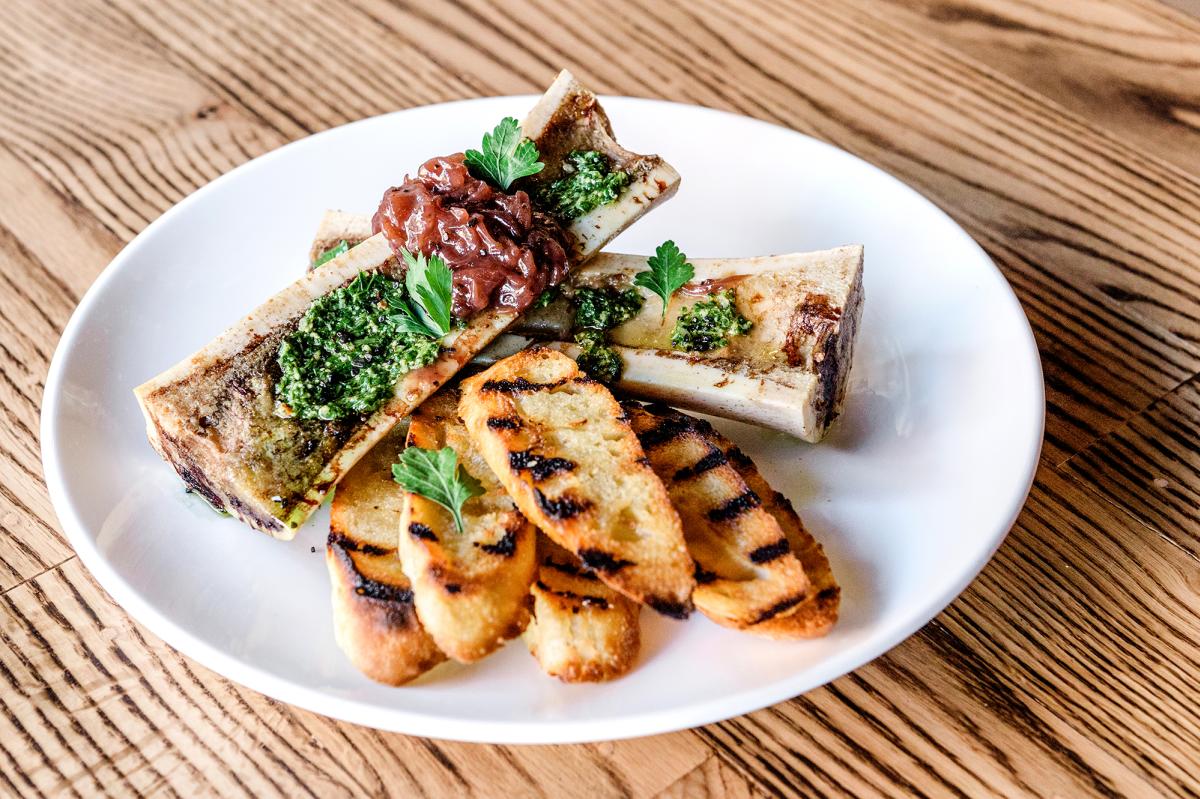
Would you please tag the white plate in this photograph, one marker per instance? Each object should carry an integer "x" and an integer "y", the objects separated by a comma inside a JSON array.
[{"x": 911, "y": 493}]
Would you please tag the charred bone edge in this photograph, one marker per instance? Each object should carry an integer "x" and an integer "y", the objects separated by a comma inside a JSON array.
[
  {"x": 568, "y": 116},
  {"x": 793, "y": 400}
]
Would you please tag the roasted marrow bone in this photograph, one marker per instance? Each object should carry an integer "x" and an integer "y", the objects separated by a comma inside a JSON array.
[
  {"x": 213, "y": 416},
  {"x": 788, "y": 373},
  {"x": 471, "y": 586}
]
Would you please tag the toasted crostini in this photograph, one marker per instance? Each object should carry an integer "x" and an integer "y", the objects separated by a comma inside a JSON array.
[
  {"x": 374, "y": 620},
  {"x": 563, "y": 449},
  {"x": 471, "y": 587},
  {"x": 581, "y": 630},
  {"x": 745, "y": 570},
  {"x": 817, "y": 614}
]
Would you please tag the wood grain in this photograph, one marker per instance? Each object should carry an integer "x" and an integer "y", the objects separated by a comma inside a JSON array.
[{"x": 1064, "y": 136}]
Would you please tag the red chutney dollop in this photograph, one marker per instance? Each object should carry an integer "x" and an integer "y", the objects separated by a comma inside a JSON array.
[{"x": 500, "y": 250}]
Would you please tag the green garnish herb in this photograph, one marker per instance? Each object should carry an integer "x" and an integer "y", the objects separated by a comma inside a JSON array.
[
  {"x": 588, "y": 182},
  {"x": 333, "y": 252},
  {"x": 668, "y": 271},
  {"x": 435, "y": 475},
  {"x": 604, "y": 309},
  {"x": 597, "y": 358},
  {"x": 709, "y": 324},
  {"x": 427, "y": 309},
  {"x": 348, "y": 350},
  {"x": 506, "y": 156},
  {"x": 545, "y": 298}
]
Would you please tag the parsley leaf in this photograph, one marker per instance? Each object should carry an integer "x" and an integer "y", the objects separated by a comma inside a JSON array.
[
  {"x": 435, "y": 475},
  {"x": 430, "y": 296},
  {"x": 668, "y": 271},
  {"x": 506, "y": 155},
  {"x": 333, "y": 252}
]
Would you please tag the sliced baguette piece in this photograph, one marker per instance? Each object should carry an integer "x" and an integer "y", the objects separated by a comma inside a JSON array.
[
  {"x": 212, "y": 415},
  {"x": 789, "y": 373},
  {"x": 816, "y": 615},
  {"x": 581, "y": 630},
  {"x": 563, "y": 449},
  {"x": 374, "y": 618},
  {"x": 471, "y": 588},
  {"x": 745, "y": 570}
]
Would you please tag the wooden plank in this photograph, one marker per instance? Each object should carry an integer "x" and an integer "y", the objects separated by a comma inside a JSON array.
[
  {"x": 1150, "y": 466},
  {"x": 91, "y": 703},
  {"x": 1065, "y": 670},
  {"x": 1132, "y": 66}
]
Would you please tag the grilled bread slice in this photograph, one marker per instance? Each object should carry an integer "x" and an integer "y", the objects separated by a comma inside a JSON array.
[
  {"x": 212, "y": 416},
  {"x": 563, "y": 449},
  {"x": 789, "y": 373},
  {"x": 374, "y": 618},
  {"x": 581, "y": 630},
  {"x": 745, "y": 570},
  {"x": 471, "y": 587},
  {"x": 817, "y": 614}
]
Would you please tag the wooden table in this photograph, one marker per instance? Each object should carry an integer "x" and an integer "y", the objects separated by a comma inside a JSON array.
[{"x": 1065, "y": 137}]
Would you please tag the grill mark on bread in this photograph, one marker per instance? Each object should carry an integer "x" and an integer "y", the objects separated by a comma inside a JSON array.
[
  {"x": 770, "y": 552},
  {"x": 568, "y": 568},
  {"x": 670, "y": 429},
  {"x": 780, "y": 607},
  {"x": 562, "y": 507},
  {"x": 421, "y": 531},
  {"x": 583, "y": 599},
  {"x": 344, "y": 541},
  {"x": 504, "y": 423},
  {"x": 714, "y": 459},
  {"x": 740, "y": 459},
  {"x": 505, "y": 547},
  {"x": 669, "y": 607},
  {"x": 601, "y": 561},
  {"x": 518, "y": 386},
  {"x": 703, "y": 576},
  {"x": 540, "y": 467},
  {"x": 735, "y": 507}
]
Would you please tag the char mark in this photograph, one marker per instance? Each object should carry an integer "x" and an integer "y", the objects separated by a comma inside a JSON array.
[
  {"x": 503, "y": 423},
  {"x": 505, "y": 547},
  {"x": 382, "y": 592},
  {"x": 518, "y": 386},
  {"x": 739, "y": 458},
  {"x": 666, "y": 431},
  {"x": 703, "y": 576},
  {"x": 538, "y": 466},
  {"x": 568, "y": 568},
  {"x": 601, "y": 561},
  {"x": 780, "y": 607},
  {"x": 828, "y": 593},
  {"x": 770, "y": 552},
  {"x": 713, "y": 460},
  {"x": 560, "y": 508},
  {"x": 735, "y": 507},
  {"x": 349, "y": 544},
  {"x": 587, "y": 601},
  {"x": 670, "y": 607},
  {"x": 418, "y": 530}
]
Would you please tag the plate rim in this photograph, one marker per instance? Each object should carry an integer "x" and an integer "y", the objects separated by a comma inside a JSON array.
[{"x": 490, "y": 731}]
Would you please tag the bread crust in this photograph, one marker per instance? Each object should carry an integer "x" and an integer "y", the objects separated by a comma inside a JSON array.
[
  {"x": 374, "y": 618},
  {"x": 745, "y": 570},
  {"x": 563, "y": 449},
  {"x": 471, "y": 587},
  {"x": 581, "y": 630}
]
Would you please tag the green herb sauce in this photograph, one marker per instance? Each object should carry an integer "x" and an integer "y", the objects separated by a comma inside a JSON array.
[
  {"x": 348, "y": 352},
  {"x": 588, "y": 182},
  {"x": 604, "y": 309},
  {"x": 596, "y": 312},
  {"x": 708, "y": 325}
]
